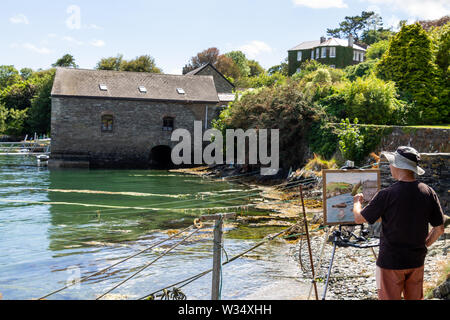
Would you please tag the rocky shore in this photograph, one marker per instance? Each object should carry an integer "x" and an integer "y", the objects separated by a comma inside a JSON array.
[{"x": 353, "y": 272}]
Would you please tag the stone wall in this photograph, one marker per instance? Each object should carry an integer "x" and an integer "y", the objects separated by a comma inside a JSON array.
[
  {"x": 77, "y": 138},
  {"x": 427, "y": 140},
  {"x": 437, "y": 176}
]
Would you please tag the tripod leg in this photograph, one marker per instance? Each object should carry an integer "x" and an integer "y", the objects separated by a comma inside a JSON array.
[{"x": 329, "y": 271}]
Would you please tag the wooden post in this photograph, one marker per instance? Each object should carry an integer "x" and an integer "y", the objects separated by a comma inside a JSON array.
[
  {"x": 217, "y": 250},
  {"x": 305, "y": 221}
]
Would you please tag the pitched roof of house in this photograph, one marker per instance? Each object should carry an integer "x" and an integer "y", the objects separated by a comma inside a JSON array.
[
  {"x": 332, "y": 42},
  {"x": 197, "y": 71},
  {"x": 125, "y": 85}
]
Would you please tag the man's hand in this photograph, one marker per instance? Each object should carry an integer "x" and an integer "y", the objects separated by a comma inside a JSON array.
[
  {"x": 358, "y": 198},
  {"x": 357, "y": 201}
]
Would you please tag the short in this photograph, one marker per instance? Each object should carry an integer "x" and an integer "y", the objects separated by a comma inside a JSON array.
[{"x": 391, "y": 284}]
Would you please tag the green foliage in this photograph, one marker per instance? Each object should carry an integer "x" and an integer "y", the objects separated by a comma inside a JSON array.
[
  {"x": 323, "y": 138},
  {"x": 371, "y": 100},
  {"x": 12, "y": 121},
  {"x": 262, "y": 80},
  {"x": 241, "y": 62},
  {"x": 281, "y": 107},
  {"x": 255, "y": 68},
  {"x": 282, "y": 68},
  {"x": 409, "y": 62},
  {"x": 376, "y": 50},
  {"x": 111, "y": 63},
  {"x": 67, "y": 61},
  {"x": 209, "y": 55},
  {"x": 351, "y": 142},
  {"x": 8, "y": 76},
  {"x": 143, "y": 63},
  {"x": 18, "y": 95},
  {"x": 39, "y": 114},
  {"x": 360, "y": 70},
  {"x": 373, "y": 36},
  {"x": 353, "y": 25}
]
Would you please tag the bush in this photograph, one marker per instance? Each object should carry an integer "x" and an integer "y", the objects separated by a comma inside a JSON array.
[
  {"x": 371, "y": 100},
  {"x": 362, "y": 70},
  {"x": 351, "y": 141},
  {"x": 284, "y": 107},
  {"x": 323, "y": 139},
  {"x": 376, "y": 50}
]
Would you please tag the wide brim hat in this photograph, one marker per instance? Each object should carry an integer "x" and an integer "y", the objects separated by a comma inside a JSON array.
[{"x": 403, "y": 159}]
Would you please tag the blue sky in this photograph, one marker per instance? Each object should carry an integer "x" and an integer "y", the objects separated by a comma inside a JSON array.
[{"x": 36, "y": 33}]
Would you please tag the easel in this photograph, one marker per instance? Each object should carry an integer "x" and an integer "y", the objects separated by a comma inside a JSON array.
[{"x": 339, "y": 240}]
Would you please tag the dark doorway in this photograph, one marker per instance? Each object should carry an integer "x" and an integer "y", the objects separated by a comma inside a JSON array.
[{"x": 161, "y": 157}]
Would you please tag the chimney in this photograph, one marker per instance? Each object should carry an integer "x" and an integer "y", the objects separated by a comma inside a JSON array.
[
  {"x": 322, "y": 39},
  {"x": 350, "y": 41}
]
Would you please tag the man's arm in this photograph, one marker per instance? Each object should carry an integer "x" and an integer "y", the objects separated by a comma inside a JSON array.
[
  {"x": 357, "y": 201},
  {"x": 434, "y": 234}
]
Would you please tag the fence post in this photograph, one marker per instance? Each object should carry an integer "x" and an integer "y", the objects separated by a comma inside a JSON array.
[{"x": 217, "y": 250}]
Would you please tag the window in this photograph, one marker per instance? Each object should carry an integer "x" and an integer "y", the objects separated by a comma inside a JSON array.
[
  {"x": 333, "y": 66},
  {"x": 298, "y": 70},
  {"x": 107, "y": 123},
  {"x": 312, "y": 54},
  {"x": 180, "y": 91},
  {"x": 361, "y": 56},
  {"x": 324, "y": 52},
  {"x": 317, "y": 53},
  {"x": 332, "y": 52},
  {"x": 168, "y": 124},
  {"x": 103, "y": 87},
  {"x": 299, "y": 56},
  {"x": 355, "y": 55},
  {"x": 142, "y": 89}
]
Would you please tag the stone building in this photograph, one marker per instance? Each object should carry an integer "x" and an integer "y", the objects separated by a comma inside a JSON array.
[
  {"x": 223, "y": 86},
  {"x": 124, "y": 119},
  {"x": 335, "y": 52}
]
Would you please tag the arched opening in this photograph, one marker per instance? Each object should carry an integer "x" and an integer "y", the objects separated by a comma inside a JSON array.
[{"x": 161, "y": 157}]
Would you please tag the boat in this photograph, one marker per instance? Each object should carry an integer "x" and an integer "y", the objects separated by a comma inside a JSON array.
[
  {"x": 42, "y": 159},
  {"x": 339, "y": 205}
]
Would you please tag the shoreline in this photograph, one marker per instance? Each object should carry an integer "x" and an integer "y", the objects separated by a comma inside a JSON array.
[{"x": 353, "y": 271}]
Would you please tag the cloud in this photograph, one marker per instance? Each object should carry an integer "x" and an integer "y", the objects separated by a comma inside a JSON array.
[
  {"x": 19, "y": 18},
  {"x": 31, "y": 47},
  {"x": 98, "y": 43},
  {"x": 320, "y": 4},
  {"x": 255, "y": 48},
  {"x": 73, "y": 22},
  {"x": 72, "y": 41},
  {"x": 93, "y": 27},
  {"x": 420, "y": 9}
]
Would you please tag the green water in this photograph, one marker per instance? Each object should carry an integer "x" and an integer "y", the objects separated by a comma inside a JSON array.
[{"x": 61, "y": 224}]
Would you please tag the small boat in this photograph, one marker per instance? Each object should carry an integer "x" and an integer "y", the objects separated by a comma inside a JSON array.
[
  {"x": 339, "y": 205},
  {"x": 42, "y": 159}
]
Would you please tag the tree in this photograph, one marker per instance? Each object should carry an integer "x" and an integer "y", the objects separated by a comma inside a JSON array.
[
  {"x": 227, "y": 67},
  {"x": 282, "y": 68},
  {"x": 8, "y": 76},
  {"x": 241, "y": 61},
  {"x": 409, "y": 62},
  {"x": 255, "y": 68},
  {"x": 143, "y": 63},
  {"x": 39, "y": 114},
  {"x": 67, "y": 61},
  {"x": 376, "y": 50},
  {"x": 209, "y": 55},
  {"x": 18, "y": 95},
  {"x": 429, "y": 24},
  {"x": 370, "y": 37},
  {"x": 352, "y": 25},
  {"x": 111, "y": 63},
  {"x": 26, "y": 73}
]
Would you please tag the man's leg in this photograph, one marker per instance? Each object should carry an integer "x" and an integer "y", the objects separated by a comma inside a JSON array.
[
  {"x": 391, "y": 284},
  {"x": 414, "y": 284}
]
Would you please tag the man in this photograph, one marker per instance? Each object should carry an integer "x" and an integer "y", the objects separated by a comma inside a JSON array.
[{"x": 405, "y": 208}]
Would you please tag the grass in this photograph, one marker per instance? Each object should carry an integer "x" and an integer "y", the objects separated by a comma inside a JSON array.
[{"x": 443, "y": 275}]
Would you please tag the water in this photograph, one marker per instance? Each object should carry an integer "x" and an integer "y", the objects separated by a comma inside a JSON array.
[{"x": 57, "y": 225}]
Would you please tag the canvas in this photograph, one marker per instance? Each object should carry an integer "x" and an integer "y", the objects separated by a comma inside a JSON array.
[{"x": 339, "y": 188}]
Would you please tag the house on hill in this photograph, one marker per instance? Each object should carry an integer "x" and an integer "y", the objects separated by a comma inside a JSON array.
[
  {"x": 124, "y": 119},
  {"x": 335, "y": 52}
]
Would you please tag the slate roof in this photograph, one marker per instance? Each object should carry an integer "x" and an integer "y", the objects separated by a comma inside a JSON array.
[
  {"x": 196, "y": 71},
  {"x": 333, "y": 42},
  {"x": 125, "y": 85}
]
